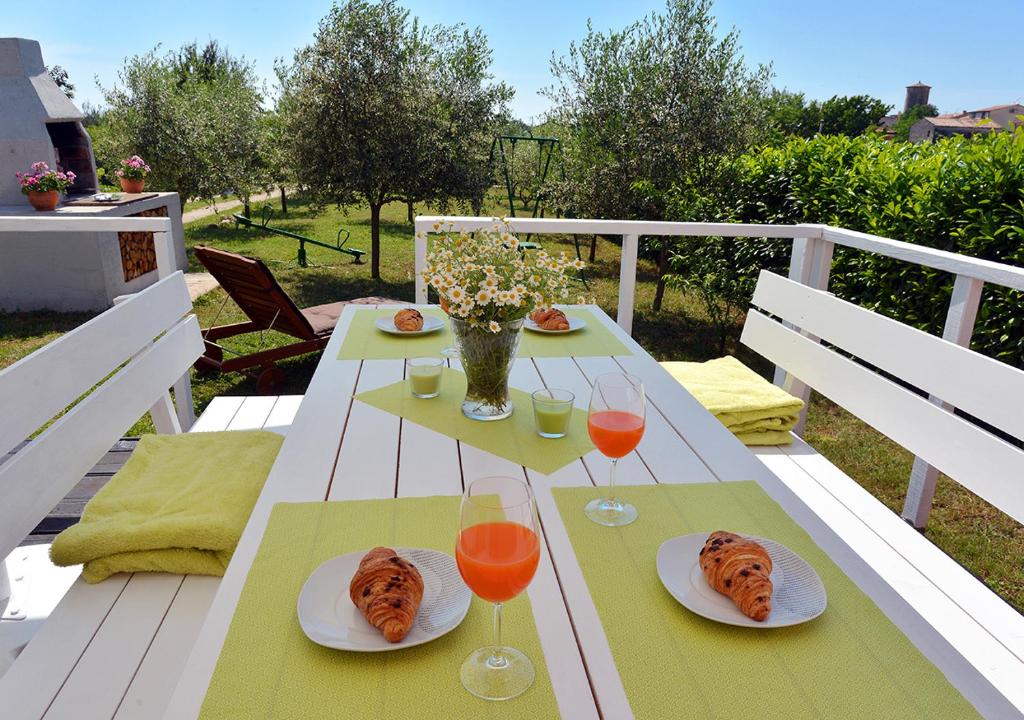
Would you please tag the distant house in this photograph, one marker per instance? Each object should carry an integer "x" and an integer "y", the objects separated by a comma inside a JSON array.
[
  {"x": 930, "y": 129},
  {"x": 1006, "y": 116}
]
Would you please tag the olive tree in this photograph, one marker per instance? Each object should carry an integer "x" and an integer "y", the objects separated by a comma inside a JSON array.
[
  {"x": 380, "y": 108},
  {"x": 653, "y": 109},
  {"x": 195, "y": 116}
]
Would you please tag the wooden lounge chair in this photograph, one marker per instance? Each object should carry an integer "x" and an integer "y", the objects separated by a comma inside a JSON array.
[{"x": 252, "y": 286}]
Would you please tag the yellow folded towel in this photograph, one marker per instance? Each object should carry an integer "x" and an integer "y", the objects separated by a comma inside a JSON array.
[
  {"x": 178, "y": 505},
  {"x": 753, "y": 409}
]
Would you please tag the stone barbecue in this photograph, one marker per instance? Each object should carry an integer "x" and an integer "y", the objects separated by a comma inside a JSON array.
[
  {"x": 38, "y": 122},
  {"x": 65, "y": 271}
]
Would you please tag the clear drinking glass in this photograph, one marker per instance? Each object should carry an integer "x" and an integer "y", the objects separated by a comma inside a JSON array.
[
  {"x": 616, "y": 423},
  {"x": 552, "y": 412},
  {"x": 424, "y": 375},
  {"x": 497, "y": 552}
]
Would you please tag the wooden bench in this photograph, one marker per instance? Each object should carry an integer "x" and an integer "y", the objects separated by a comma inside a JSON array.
[
  {"x": 883, "y": 372},
  {"x": 83, "y": 660}
]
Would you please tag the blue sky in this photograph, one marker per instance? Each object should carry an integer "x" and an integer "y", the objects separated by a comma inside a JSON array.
[{"x": 971, "y": 55}]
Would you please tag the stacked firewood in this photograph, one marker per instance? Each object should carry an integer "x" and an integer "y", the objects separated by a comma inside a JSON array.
[{"x": 138, "y": 251}]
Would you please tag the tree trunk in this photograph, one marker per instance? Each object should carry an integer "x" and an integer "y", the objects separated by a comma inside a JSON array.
[
  {"x": 659, "y": 293},
  {"x": 375, "y": 241},
  {"x": 245, "y": 208},
  {"x": 284, "y": 201},
  {"x": 411, "y": 211},
  {"x": 593, "y": 249}
]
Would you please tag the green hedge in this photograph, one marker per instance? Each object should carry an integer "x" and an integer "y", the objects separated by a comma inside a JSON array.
[{"x": 961, "y": 195}]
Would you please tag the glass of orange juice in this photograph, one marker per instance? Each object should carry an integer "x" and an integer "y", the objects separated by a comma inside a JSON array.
[
  {"x": 615, "y": 421},
  {"x": 497, "y": 552}
]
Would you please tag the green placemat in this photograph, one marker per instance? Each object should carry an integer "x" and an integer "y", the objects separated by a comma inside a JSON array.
[
  {"x": 592, "y": 341},
  {"x": 851, "y": 662},
  {"x": 514, "y": 438},
  {"x": 363, "y": 341},
  {"x": 269, "y": 669}
]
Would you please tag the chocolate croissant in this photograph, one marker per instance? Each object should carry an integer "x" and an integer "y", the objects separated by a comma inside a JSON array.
[
  {"x": 388, "y": 590},
  {"x": 739, "y": 568},
  {"x": 409, "y": 320},
  {"x": 550, "y": 319}
]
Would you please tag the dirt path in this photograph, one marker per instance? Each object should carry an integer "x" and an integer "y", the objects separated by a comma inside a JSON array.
[{"x": 220, "y": 207}]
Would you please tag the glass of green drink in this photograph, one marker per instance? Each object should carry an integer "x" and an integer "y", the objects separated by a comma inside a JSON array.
[
  {"x": 552, "y": 411},
  {"x": 424, "y": 375}
]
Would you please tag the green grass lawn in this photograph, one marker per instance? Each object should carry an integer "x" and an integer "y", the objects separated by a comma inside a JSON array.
[{"x": 984, "y": 540}]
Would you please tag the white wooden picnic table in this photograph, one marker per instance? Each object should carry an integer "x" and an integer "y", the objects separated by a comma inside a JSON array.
[{"x": 338, "y": 448}]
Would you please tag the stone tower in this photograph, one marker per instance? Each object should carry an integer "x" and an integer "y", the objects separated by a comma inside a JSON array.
[{"x": 917, "y": 94}]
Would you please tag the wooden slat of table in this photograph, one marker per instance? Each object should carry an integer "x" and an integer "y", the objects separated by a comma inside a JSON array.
[{"x": 368, "y": 461}]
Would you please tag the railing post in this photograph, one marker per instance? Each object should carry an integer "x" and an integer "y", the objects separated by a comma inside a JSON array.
[
  {"x": 421, "y": 229},
  {"x": 811, "y": 265},
  {"x": 627, "y": 282},
  {"x": 959, "y": 327}
]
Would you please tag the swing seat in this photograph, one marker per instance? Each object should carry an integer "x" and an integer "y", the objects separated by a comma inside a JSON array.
[{"x": 257, "y": 293}]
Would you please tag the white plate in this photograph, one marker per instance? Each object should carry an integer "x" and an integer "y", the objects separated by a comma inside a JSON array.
[
  {"x": 798, "y": 593},
  {"x": 329, "y": 618},
  {"x": 430, "y": 324},
  {"x": 575, "y": 324}
]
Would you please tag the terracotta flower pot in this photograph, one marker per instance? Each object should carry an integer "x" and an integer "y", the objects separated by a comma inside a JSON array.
[
  {"x": 46, "y": 200},
  {"x": 132, "y": 186}
]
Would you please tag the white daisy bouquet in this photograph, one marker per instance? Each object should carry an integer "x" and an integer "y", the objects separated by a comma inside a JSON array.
[
  {"x": 486, "y": 279},
  {"x": 488, "y": 285}
]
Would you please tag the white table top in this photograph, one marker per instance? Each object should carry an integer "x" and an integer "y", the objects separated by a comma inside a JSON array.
[{"x": 338, "y": 449}]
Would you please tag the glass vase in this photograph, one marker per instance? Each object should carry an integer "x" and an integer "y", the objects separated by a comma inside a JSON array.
[{"x": 486, "y": 360}]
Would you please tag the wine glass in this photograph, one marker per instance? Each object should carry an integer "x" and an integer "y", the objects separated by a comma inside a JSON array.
[
  {"x": 497, "y": 552},
  {"x": 616, "y": 423}
]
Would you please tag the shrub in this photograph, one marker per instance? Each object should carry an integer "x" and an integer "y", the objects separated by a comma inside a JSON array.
[{"x": 963, "y": 195}]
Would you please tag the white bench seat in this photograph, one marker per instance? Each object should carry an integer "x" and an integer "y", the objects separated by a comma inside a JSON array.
[{"x": 115, "y": 649}]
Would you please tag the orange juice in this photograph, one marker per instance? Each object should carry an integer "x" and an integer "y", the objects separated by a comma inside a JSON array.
[
  {"x": 497, "y": 559},
  {"x": 614, "y": 432}
]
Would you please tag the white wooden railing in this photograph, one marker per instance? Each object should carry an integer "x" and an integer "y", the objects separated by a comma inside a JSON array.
[{"x": 810, "y": 264}]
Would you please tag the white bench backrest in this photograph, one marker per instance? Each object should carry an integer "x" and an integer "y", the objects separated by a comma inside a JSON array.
[
  {"x": 986, "y": 389},
  {"x": 128, "y": 357}
]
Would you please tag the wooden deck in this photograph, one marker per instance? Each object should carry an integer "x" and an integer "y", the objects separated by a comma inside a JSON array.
[{"x": 69, "y": 510}]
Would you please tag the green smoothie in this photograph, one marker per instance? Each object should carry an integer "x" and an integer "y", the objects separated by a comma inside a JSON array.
[
  {"x": 425, "y": 381},
  {"x": 552, "y": 418}
]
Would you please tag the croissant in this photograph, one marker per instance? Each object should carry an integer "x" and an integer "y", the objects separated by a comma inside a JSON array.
[
  {"x": 409, "y": 320},
  {"x": 739, "y": 568},
  {"x": 387, "y": 590},
  {"x": 550, "y": 319}
]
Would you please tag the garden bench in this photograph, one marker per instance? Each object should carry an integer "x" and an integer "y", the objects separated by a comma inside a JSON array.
[
  {"x": 82, "y": 658},
  {"x": 871, "y": 365}
]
